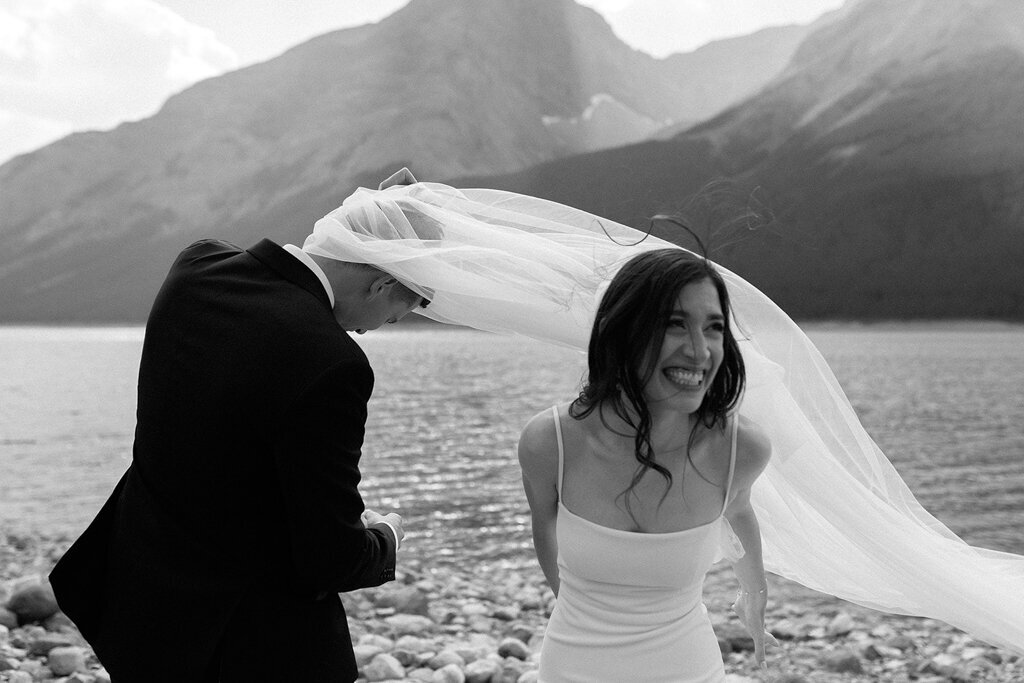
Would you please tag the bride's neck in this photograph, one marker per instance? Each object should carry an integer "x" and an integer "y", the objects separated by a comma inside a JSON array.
[{"x": 670, "y": 429}]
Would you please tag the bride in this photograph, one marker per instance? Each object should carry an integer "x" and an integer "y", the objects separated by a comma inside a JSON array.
[{"x": 834, "y": 514}]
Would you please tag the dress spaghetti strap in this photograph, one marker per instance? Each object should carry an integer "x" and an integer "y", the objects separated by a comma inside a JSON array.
[
  {"x": 561, "y": 451},
  {"x": 732, "y": 460}
]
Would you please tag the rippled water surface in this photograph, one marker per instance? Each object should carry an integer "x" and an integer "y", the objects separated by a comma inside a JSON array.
[{"x": 943, "y": 401}]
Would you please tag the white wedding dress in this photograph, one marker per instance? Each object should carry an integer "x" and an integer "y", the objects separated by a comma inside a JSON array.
[
  {"x": 835, "y": 515},
  {"x": 630, "y": 604}
]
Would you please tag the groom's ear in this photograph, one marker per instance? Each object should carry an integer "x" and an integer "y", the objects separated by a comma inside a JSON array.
[{"x": 381, "y": 285}]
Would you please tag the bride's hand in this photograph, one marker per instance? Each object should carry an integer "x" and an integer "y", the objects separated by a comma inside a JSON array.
[{"x": 749, "y": 607}]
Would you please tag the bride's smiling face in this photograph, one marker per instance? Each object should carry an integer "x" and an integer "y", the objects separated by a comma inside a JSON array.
[{"x": 691, "y": 352}]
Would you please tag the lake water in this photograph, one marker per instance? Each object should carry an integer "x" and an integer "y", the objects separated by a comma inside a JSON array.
[{"x": 944, "y": 401}]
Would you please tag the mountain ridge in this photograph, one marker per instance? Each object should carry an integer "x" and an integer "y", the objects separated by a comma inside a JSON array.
[
  {"x": 901, "y": 195},
  {"x": 855, "y": 167}
]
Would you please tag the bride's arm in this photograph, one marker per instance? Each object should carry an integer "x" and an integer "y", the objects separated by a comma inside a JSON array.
[
  {"x": 538, "y": 457},
  {"x": 753, "y": 453},
  {"x": 749, "y": 568}
]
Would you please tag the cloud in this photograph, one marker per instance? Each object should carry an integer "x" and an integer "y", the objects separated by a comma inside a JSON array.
[{"x": 73, "y": 64}]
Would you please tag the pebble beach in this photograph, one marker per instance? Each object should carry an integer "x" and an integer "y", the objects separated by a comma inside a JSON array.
[{"x": 466, "y": 621}]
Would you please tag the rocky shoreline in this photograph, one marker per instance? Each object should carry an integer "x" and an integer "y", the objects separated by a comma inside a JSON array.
[{"x": 482, "y": 622}]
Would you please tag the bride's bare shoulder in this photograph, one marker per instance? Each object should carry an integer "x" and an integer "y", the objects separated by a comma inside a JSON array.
[
  {"x": 753, "y": 450},
  {"x": 538, "y": 443}
]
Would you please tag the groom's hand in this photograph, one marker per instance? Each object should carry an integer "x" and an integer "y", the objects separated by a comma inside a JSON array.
[
  {"x": 392, "y": 519},
  {"x": 401, "y": 177}
]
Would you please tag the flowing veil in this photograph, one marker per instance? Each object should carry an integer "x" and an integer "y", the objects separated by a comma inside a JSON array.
[{"x": 834, "y": 513}]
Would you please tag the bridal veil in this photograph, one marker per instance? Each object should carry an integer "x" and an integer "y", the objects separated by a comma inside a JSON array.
[{"x": 835, "y": 515}]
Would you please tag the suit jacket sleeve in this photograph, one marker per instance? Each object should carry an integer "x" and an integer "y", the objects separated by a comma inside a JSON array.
[{"x": 317, "y": 457}]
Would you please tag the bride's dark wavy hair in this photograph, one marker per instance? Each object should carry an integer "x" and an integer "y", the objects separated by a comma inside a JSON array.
[{"x": 628, "y": 332}]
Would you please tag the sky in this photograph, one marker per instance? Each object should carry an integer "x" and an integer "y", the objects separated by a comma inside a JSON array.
[{"x": 70, "y": 65}]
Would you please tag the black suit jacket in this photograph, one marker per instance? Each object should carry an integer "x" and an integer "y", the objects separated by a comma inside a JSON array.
[{"x": 238, "y": 521}]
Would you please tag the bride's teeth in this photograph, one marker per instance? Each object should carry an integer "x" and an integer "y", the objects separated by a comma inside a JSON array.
[{"x": 688, "y": 377}]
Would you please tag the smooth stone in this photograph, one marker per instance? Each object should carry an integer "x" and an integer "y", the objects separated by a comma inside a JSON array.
[
  {"x": 446, "y": 657},
  {"x": 842, "y": 661},
  {"x": 405, "y": 600},
  {"x": 931, "y": 667},
  {"x": 482, "y": 670},
  {"x": 8, "y": 618},
  {"x": 523, "y": 632},
  {"x": 528, "y": 677},
  {"x": 406, "y": 658},
  {"x": 43, "y": 643},
  {"x": 383, "y": 667},
  {"x": 365, "y": 653},
  {"x": 888, "y": 652},
  {"x": 34, "y": 602},
  {"x": 787, "y": 629},
  {"x": 34, "y": 668},
  {"x": 449, "y": 673},
  {"x": 475, "y": 609},
  {"x": 377, "y": 640},
  {"x": 422, "y": 674},
  {"x": 901, "y": 642},
  {"x": 870, "y": 652},
  {"x": 80, "y": 677},
  {"x": 483, "y": 642},
  {"x": 511, "y": 670},
  {"x": 506, "y": 613},
  {"x": 840, "y": 625},
  {"x": 19, "y": 677},
  {"x": 481, "y": 624},
  {"x": 409, "y": 624},
  {"x": 530, "y": 599},
  {"x": 969, "y": 653},
  {"x": 513, "y": 647},
  {"x": 945, "y": 660},
  {"x": 414, "y": 644},
  {"x": 979, "y": 669},
  {"x": 66, "y": 660}
]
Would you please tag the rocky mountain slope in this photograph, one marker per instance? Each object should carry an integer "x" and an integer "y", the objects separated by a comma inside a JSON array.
[
  {"x": 881, "y": 175},
  {"x": 449, "y": 87}
]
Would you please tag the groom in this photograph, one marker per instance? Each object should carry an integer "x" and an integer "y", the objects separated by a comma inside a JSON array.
[{"x": 222, "y": 550}]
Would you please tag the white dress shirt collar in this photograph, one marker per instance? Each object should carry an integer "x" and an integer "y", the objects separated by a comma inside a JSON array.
[{"x": 308, "y": 261}]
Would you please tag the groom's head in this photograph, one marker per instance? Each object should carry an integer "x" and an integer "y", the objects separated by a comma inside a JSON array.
[
  {"x": 366, "y": 297},
  {"x": 370, "y": 288}
]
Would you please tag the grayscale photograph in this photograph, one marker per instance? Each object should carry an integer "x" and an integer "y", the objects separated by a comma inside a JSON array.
[{"x": 512, "y": 341}]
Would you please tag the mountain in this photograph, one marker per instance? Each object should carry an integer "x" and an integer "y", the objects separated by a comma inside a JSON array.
[
  {"x": 880, "y": 175},
  {"x": 448, "y": 87},
  {"x": 728, "y": 71}
]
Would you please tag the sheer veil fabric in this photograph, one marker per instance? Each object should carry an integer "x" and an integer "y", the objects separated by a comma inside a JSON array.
[{"x": 835, "y": 515}]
